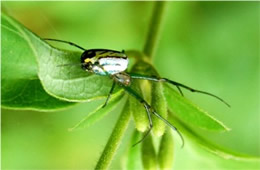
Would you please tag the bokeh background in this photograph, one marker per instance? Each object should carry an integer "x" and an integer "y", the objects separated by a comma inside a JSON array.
[{"x": 213, "y": 46}]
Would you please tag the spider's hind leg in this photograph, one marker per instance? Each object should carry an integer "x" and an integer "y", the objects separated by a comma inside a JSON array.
[
  {"x": 150, "y": 110},
  {"x": 147, "y": 108},
  {"x": 109, "y": 94}
]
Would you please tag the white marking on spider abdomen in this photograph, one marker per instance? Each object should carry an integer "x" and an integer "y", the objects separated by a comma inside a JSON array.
[
  {"x": 98, "y": 70},
  {"x": 113, "y": 65}
]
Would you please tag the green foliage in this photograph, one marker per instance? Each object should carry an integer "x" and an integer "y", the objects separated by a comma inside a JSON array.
[
  {"x": 39, "y": 62},
  {"x": 21, "y": 87},
  {"x": 160, "y": 105},
  {"x": 206, "y": 144},
  {"x": 166, "y": 151},
  {"x": 190, "y": 113},
  {"x": 154, "y": 93},
  {"x": 98, "y": 114},
  {"x": 115, "y": 139},
  {"x": 31, "y": 69},
  {"x": 133, "y": 156},
  {"x": 148, "y": 154},
  {"x": 138, "y": 111}
]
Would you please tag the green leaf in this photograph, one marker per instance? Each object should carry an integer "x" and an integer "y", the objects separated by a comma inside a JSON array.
[
  {"x": 29, "y": 95},
  {"x": 166, "y": 151},
  {"x": 189, "y": 113},
  {"x": 149, "y": 158},
  {"x": 69, "y": 83},
  {"x": 20, "y": 85},
  {"x": 30, "y": 67},
  {"x": 209, "y": 146},
  {"x": 133, "y": 156},
  {"x": 182, "y": 107},
  {"x": 98, "y": 114}
]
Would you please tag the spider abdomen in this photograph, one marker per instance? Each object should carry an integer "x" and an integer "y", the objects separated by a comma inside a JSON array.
[{"x": 113, "y": 65}]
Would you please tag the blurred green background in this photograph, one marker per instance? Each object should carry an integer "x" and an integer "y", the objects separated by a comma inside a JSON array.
[{"x": 212, "y": 46}]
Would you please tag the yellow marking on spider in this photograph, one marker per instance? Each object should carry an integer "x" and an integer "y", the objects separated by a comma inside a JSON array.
[{"x": 87, "y": 60}]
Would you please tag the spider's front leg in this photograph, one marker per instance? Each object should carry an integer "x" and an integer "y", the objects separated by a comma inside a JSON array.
[{"x": 177, "y": 84}]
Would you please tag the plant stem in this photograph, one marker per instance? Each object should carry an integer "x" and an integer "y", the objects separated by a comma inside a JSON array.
[
  {"x": 154, "y": 28},
  {"x": 124, "y": 119},
  {"x": 115, "y": 139}
]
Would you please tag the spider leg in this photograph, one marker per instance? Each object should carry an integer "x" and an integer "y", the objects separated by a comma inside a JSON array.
[
  {"x": 150, "y": 123},
  {"x": 180, "y": 90},
  {"x": 147, "y": 108},
  {"x": 67, "y": 42},
  {"x": 170, "y": 125},
  {"x": 150, "y": 110},
  {"x": 178, "y": 85},
  {"x": 109, "y": 94},
  {"x": 151, "y": 78}
]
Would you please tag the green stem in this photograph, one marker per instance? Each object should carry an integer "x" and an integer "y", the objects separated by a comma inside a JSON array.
[
  {"x": 115, "y": 139},
  {"x": 154, "y": 28},
  {"x": 124, "y": 119}
]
